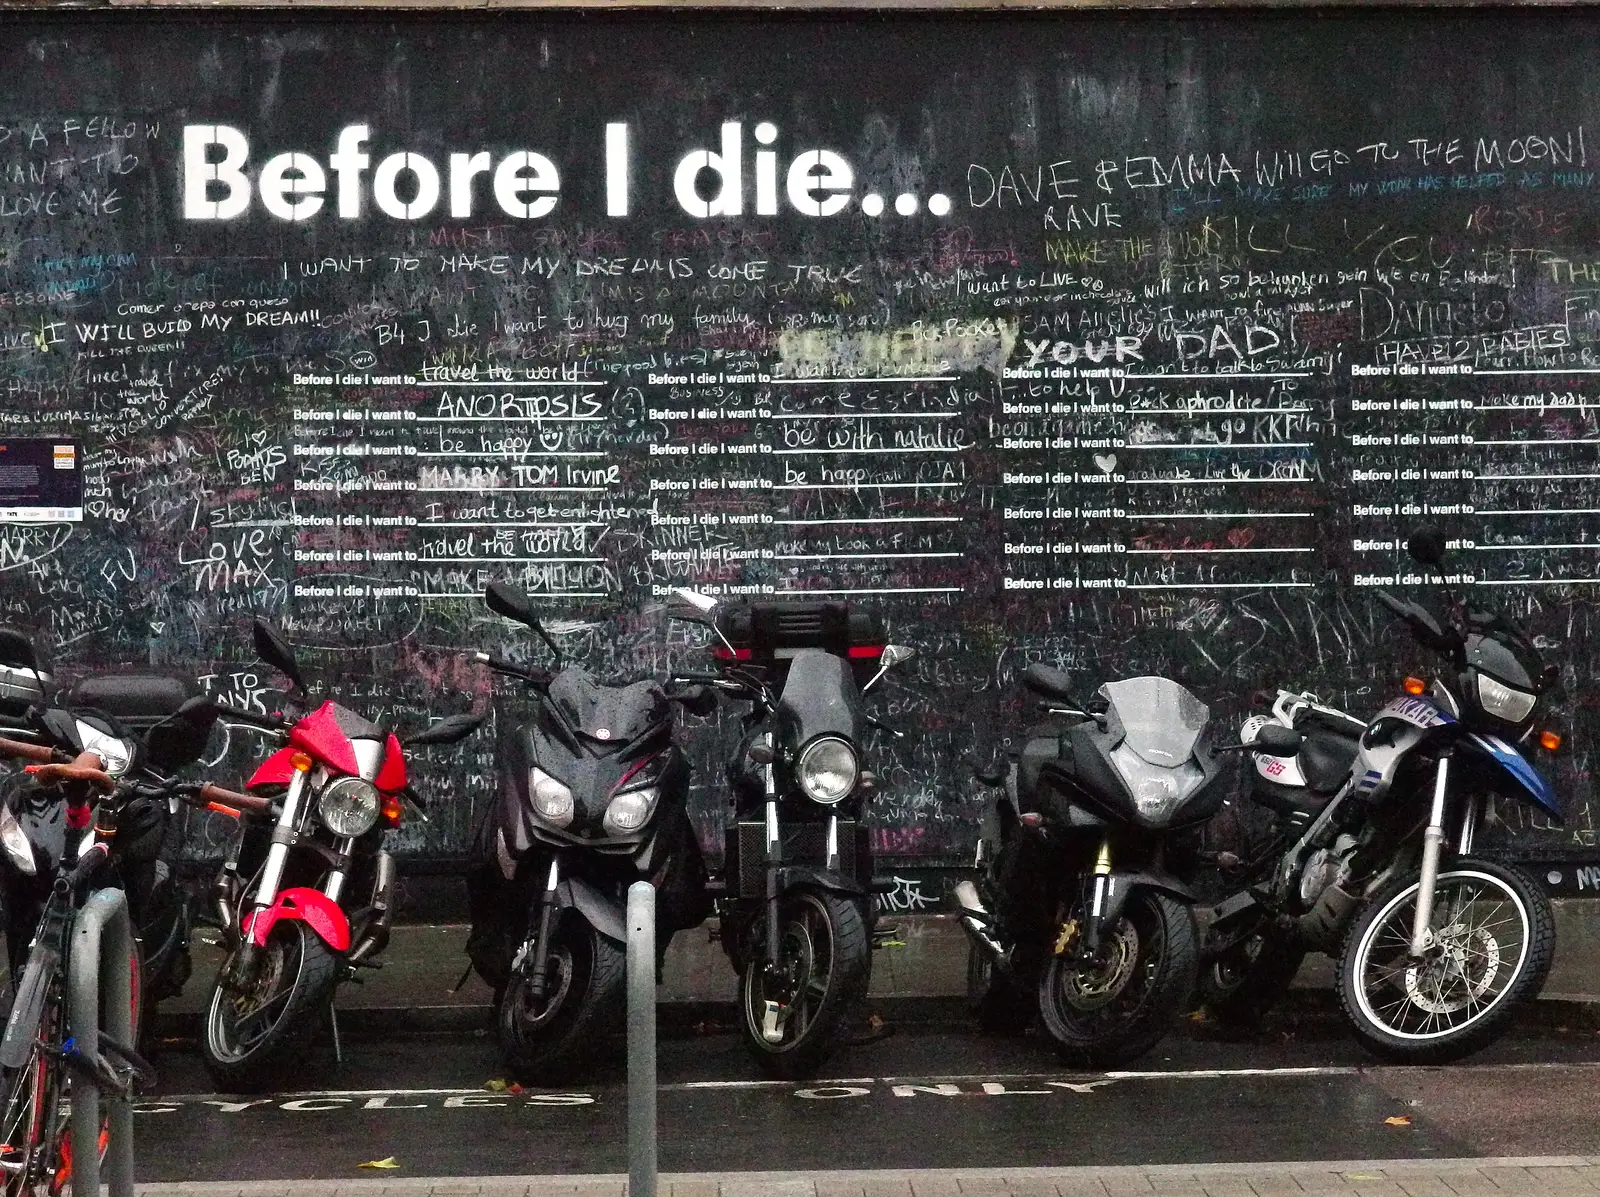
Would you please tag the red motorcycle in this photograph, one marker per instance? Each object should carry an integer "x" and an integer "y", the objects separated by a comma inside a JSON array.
[{"x": 292, "y": 930}]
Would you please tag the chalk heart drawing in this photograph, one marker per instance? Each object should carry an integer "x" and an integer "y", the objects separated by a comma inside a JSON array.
[
  {"x": 1106, "y": 461},
  {"x": 1241, "y": 538},
  {"x": 157, "y": 629}
]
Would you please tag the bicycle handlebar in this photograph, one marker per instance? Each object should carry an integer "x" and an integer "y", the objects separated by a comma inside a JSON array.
[{"x": 42, "y": 753}]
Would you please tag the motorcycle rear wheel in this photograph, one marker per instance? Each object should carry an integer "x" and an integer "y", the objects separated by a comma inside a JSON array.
[
  {"x": 1001, "y": 1006},
  {"x": 824, "y": 967},
  {"x": 252, "y": 1040},
  {"x": 1242, "y": 984},
  {"x": 578, "y": 1019},
  {"x": 1113, "y": 1013},
  {"x": 1494, "y": 939}
]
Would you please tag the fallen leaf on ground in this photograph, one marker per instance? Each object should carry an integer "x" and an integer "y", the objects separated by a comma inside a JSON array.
[
  {"x": 387, "y": 1161},
  {"x": 1398, "y": 1120},
  {"x": 513, "y": 1088},
  {"x": 495, "y": 1086},
  {"x": 875, "y": 1022}
]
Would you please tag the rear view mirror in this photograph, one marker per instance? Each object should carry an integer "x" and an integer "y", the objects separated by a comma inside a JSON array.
[
  {"x": 700, "y": 602},
  {"x": 1427, "y": 547},
  {"x": 896, "y": 654},
  {"x": 180, "y": 738},
  {"x": 1047, "y": 682},
  {"x": 274, "y": 650},
  {"x": 450, "y": 730},
  {"x": 17, "y": 649},
  {"x": 1277, "y": 740},
  {"x": 510, "y": 602},
  {"x": 514, "y": 604}
]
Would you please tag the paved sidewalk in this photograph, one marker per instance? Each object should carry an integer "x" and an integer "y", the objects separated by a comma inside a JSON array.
[{"x": 1559, "y": 1176}]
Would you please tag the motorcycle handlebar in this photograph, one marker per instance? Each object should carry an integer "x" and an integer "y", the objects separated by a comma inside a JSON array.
[
  {"x": 269, "y": 722},
  {"x": 1394, "y": 604},
  {"x": 527, "y": 673},
  {"x": 209, "y": 794}
]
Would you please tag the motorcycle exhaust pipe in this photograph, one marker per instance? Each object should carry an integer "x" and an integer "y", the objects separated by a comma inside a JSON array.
[
  {"x": 376, "y": 936},
  {"x": 975, "y": 921},
  {"x": 225, "y": 892}
]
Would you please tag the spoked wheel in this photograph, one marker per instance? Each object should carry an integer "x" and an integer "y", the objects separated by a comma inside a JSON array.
[
  {"x": 578, "y": 1016},
  {"x": 1490, "y": 944},
  {"x": 1241, "y": 984},
  {"x": 793, "y": 1012},
  {"x": 30, "y": 1121},
  {"x": 1115, "y": 1007},
  {"x": 256, "y": 1036}
]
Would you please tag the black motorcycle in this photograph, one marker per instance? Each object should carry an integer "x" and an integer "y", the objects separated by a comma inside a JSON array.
[
  {"x": 140, "y": 725},
  {"x": 592, "y": 797},
  {"x": 1078, "y": 912},
  {"x": 1374, "y": 860},
  {"x": 796, "y": 893}
]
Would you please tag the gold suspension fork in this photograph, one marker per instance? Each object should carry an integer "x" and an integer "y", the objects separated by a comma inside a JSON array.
[{"x": 1097, "y": 901}]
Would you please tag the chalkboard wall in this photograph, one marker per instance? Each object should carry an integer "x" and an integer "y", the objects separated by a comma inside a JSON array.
[{"x": 1126, "y": 343}]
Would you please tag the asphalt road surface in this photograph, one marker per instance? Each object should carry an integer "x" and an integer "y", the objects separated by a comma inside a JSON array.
[{"x": 933, "y": 1094}]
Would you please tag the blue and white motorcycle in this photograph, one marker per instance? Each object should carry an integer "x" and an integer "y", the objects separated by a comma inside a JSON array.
[{"x": 1373, "y": 858}]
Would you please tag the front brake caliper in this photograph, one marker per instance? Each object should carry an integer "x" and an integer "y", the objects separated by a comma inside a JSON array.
[{"x": 1069, "y": 934}]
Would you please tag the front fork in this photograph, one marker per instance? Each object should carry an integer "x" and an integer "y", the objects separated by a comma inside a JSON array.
[
  {"x": 1097, "y": 899},
  {"x": 538, "y": 970},
  {"x": 248, "y": 958},
  {"x": 1433, "y": 849}
]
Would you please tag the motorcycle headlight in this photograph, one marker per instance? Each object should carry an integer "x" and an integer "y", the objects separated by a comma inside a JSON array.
[
  {"x": 827, "y": 770},
  {"x": 1502, "y": 701},
  {"x": 16, "y": 843},
  {"x": 551, "y": 800},
  {"x": 349, "y": 806},
  {"x": 630, "y": 810},
  {"x": 115, "y": 754}
]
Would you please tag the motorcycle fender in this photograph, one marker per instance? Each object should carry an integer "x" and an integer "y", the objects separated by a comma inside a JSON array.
[
  {"x": 1120, "y": 887},
  {"x": 311, "y": 907},
  {"x": 601, "y": 912},
  {"x": 793, "y": 875}
]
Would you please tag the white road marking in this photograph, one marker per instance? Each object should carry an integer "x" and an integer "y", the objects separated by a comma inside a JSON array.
[{"x": 1069, "y": 1080}]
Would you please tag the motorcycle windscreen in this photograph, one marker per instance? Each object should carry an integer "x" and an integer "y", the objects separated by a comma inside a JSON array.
[
  {"x": 609, "y": 714},
  {"x": 820, "y": 698},
  {"x": 1161, "y": 721}
]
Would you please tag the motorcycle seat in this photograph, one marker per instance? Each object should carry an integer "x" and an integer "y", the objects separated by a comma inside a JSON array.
[
  {"x": 1326, "y": 754},
  {"x": 137, "y": 699}
]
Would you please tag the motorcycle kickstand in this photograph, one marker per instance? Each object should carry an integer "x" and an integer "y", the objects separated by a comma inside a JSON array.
[{"x": 338, "y": 1047}]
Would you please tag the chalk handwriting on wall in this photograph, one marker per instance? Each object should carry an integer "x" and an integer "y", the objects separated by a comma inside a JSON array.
[{"x": 998, "y": 326}]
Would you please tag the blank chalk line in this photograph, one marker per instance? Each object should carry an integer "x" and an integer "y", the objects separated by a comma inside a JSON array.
[{"x": 1206, "y": 552}]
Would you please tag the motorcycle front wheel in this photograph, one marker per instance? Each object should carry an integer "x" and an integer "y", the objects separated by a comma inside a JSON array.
[
  {"x": 1114, "y": 1008},
  {"x": 256, "y": 1037},
  {"x": 795, "y": 1009},
  {"x": 1492, "y": 940},
  {"x": 577, "y": 1018}
]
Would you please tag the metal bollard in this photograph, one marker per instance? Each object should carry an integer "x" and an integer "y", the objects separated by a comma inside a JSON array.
[
  {"x": 100, "y": 994},
  {"x": 641, "y": 1040}
]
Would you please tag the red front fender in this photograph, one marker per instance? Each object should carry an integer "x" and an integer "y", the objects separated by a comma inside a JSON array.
[{"x": 310, "y": 906}]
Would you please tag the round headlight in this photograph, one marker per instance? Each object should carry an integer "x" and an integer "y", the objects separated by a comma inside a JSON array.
[
  {"x": 349, "y": 806},
  {"x": 551, "y": 800},
  {"x": 630, "y": 810},
  {"x": 1502, "y": 701},
  {"x": 827, "y": 770}
]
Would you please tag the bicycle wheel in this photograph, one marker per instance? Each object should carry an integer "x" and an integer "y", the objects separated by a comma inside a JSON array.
[{"x": 32, "y": 1130}]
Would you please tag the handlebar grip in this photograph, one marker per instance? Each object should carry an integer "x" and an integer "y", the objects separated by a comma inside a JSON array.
[
  {"x": 249, "y": 802},
  {"x": 87, "y": 865},
  {"x": 251, "y": 717},
  {"x": 41, "y": 753}
]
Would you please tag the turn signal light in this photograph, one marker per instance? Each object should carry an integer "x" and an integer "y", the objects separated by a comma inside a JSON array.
[
  {"x": 1549, "y": 740},
  {"x": 1415, "y": 685},
  {"x": 390, "y": 810}
]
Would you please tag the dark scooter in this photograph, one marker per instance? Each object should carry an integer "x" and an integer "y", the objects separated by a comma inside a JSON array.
[
  {"x": 592, "y": 797},
  {"x": 796, "y": 893}
]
